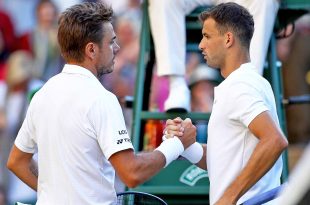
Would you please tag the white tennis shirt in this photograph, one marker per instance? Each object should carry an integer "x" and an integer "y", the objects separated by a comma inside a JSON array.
[
  {"x": 75, "y": 124},
  {"x": 242, "y": 96}
]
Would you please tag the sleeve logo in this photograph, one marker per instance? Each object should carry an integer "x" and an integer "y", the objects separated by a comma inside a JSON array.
[
  {"x": 120, "y": 141},
  {"x": 122, "y": 132}
]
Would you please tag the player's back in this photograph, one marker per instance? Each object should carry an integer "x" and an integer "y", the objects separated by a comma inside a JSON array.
[{"x": 72, "y": 167}]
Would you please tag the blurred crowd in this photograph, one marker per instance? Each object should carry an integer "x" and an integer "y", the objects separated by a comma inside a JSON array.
[{"x": 29, "y": 56}]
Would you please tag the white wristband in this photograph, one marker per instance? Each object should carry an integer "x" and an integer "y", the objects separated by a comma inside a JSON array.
[
  {"x": 193, "y": 153},
  {"x": 171, "y": 148}
]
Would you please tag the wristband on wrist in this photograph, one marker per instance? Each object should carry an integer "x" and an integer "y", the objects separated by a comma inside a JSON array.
[
  {"x": 171, "y": 148},
  {"x": 193, "y": 153}
]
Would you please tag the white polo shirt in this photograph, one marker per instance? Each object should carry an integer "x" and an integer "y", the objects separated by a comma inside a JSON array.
[
  {"x": 76, "y": 125},
  {"x": 242, "y": 96}
]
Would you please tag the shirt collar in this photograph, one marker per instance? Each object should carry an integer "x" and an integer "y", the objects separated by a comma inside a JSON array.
[
  {"x": 76, "y": 69},
  {"x": 245, "y": 66}
]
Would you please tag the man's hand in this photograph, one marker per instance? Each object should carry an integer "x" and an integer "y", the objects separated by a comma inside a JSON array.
[
  {"x": 185, "y": 130},
  {"x": 174, "y": 128},
  {"x": 189, "y": 134}
]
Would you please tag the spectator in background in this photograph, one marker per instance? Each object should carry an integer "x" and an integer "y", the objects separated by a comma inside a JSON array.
[
  {"x": 132, "y": 12},
  {"x": 19, "y": 66},
  {"x": 202, "y": 81},
  {"x": 18, "y": 77},
  {"x": 3, "y": 200},
  {"x": 294, "y": 53},
  {"x": 7, "y": 31},
  {"x": 122, "y": 81},
  {"x": 21, "y": 14},
  {"x": 63, "y": 5},
  {"x": 118, "y": 6},
  {"x": 127, "y": 28},
  {"x": 42, "y": 42},
  {"x": 7, "y": 37}
]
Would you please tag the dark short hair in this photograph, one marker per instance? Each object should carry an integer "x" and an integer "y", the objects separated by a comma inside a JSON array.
[
  {"x": 79, "y": 25},
  {"x": 233, "y": 17}
]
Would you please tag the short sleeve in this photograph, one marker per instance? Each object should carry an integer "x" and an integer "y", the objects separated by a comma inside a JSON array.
[
  {"x": 248, "y": 102},
  {"x": 108, "y": 122},
  {"x": 25, "y": 137}
]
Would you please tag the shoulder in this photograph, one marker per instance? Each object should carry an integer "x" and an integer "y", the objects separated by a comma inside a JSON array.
[
  {"x": 248, "y": 78},
  {"x": 106, "y": 99}
]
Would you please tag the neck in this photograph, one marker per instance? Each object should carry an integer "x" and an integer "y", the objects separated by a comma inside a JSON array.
[
  {"x": 85, "y": 65},
  {"x": 233, "y": 62}
]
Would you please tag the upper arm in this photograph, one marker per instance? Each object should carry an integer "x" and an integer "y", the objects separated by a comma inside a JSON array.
[
  {"x": 247, "y": 103},
  {"x": 253, "y": 108},
  {"x": 124, "y": 163},
  {"x": 120, "y": 161},
  {"x": 20, "y": 163},
  {"x": 26, "y": 140},
  {"x": 106, "y": 118},
  {"x": 265, "y": 128},
  {"x": 18, "y": 157}
]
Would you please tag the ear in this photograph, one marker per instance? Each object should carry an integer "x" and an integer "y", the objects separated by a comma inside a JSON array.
[
  {"x": 90, "y": 50},
  {"x": 229, "y": 39}
]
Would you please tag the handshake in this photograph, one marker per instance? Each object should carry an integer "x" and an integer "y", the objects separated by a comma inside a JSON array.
[{"x": 180, "y": 139}]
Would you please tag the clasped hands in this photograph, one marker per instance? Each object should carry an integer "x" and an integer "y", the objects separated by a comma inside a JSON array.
[{"x": 183, "y": 129}]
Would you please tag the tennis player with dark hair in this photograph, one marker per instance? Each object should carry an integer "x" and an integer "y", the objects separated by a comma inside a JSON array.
[
  {"x": 76, "y": 126},
  {"x": 245, "y": 142}
]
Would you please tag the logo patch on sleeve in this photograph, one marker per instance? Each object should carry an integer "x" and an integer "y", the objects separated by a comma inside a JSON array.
[
  {"x": 122, "y": 132},
  {"x": 120, "y": 141}
]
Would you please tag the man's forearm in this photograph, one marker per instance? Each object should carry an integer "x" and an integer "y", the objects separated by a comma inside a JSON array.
[
  {"x": 34, "y": 168},
  {"x": 20, "y": 163},
  {"x": 135, "y": 169},
  {"x": 28, "y": 177}
]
